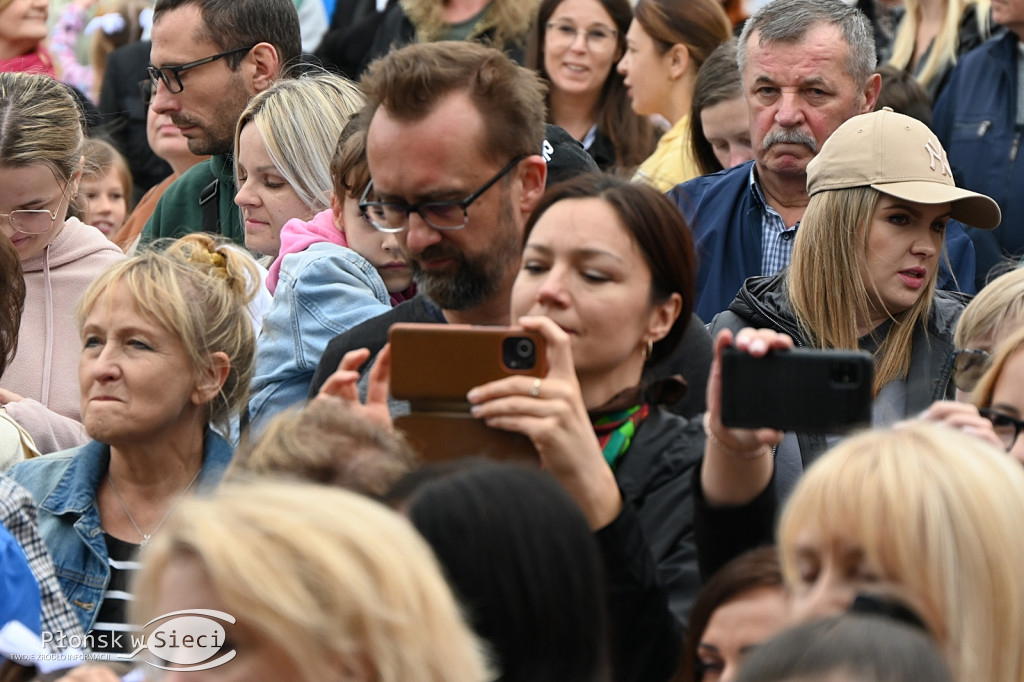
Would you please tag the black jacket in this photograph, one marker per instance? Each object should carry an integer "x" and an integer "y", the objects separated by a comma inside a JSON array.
[{"x": 763, "y": 302}]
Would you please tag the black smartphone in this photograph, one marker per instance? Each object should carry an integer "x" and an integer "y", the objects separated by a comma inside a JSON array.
[
  {"x": 808, "y": 390},
  {"x": 433, "y": 366}
]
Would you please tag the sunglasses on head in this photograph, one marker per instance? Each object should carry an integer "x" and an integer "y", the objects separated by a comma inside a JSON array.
[{"x": 966, "y": 367}]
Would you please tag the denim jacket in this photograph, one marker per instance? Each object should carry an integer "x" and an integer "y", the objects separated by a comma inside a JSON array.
[
  {"x": 64, "y": 486},
  {"x": 321, "y": 292}
]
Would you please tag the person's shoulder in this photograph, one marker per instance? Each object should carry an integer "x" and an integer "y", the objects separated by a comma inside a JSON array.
[
  {"x": 947, "y": 306},
  {"x": 40, "y": 475},
  {"x": 326, "y": 256},
  {"x": 373, "y": 333},
  {"x": 711, "y": 188}
]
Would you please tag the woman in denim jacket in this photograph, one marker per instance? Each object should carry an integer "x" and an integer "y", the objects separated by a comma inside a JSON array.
[{"x": 167, "y": 351}]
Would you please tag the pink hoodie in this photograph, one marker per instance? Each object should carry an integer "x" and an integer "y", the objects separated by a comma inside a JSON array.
[
  {"x": 298, "y": 235},
  {"x": 45, "y": 369}
]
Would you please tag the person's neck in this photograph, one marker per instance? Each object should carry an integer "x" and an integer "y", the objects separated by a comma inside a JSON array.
[
  {"x": 456, "y": 11},
  {"x": 10, "y": 50},
  {"x": 160, "y": 467},
  {"x": 680, "y": 99},
  {"x": 575, "y": 113},
  {"x": 599, "y": 389},
  {"x": 787, "y": 194},
  {"x": 180, "y": 164}
]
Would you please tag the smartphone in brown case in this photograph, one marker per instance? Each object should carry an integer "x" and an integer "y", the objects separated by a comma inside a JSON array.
[{"x": 434, "y": 366}]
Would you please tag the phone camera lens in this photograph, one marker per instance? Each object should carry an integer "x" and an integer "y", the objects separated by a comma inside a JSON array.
[{"x": 519, "y": 353}]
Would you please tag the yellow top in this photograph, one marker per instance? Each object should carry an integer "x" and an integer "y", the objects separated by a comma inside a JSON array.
[{"x": 672, "y": 162}]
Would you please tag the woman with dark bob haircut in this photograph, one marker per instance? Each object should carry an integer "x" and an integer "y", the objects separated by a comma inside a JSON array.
[
  {"x": 607, "y": 278},
  {"x": 523, "y": 561}
]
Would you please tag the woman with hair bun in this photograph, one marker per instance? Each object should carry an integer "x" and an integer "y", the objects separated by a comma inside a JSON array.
[{"x": 167, "y": 353}]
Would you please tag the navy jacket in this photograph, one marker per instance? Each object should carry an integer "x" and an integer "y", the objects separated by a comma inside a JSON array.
[
  {"x": 975, "y": 121},
  {"x": 726, "y": 221}
]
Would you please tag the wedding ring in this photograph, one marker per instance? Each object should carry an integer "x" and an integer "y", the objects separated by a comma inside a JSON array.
[{"x": 535, "y": 389}]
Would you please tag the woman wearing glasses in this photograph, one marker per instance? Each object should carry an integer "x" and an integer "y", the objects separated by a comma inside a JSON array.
[
  {"x": 40, "y": 168},
  {"x": 665, "y": 47},
  {"x": 999, "y": 394},
  {"x": 574, "y": 45},
  {"x": 994, "y": 315}
]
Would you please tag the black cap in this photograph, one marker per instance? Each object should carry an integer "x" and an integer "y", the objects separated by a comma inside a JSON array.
[{"x": 565, "y": 156}]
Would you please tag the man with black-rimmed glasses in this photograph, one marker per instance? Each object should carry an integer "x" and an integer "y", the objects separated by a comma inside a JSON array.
[{"x": 208, "y": 59}]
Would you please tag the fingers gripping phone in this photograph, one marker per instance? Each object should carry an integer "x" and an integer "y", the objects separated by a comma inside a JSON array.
[
  {"x": 433, "y": 366},
  {"x": 807, "y": 390}
]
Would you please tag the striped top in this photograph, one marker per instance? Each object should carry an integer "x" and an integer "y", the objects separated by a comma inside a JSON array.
[{"x": 111, "y": 633}]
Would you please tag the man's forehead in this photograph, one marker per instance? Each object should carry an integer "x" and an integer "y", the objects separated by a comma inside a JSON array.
[
  {"x": 177, "y": 36},
  {"x": 821, "y": 52}
]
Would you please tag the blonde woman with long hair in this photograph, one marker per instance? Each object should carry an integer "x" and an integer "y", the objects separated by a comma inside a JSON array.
[
  {"x": 864, "y": 268},
  {"x": 934, "y": 33}
]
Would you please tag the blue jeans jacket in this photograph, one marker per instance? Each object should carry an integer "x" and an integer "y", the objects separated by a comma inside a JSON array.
[
  {"x": 64, "y": 486},
  {"x": 321, "y": 292}
]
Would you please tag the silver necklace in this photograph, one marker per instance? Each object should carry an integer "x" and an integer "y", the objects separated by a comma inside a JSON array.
[{"x": 146, "y": 536}]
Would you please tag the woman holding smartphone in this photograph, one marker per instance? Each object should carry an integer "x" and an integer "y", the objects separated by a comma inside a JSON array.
[{"x": 864, "y": 268}]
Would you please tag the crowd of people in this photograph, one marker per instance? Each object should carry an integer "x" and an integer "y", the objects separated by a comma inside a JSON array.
[{"x": 215, "y": 211}]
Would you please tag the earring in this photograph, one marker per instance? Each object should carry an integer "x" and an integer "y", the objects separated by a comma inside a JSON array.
[{"x": 648, "y": 350}]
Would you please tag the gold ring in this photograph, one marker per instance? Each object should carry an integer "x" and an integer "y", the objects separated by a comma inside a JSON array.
[{"x": 535, "y": 389}]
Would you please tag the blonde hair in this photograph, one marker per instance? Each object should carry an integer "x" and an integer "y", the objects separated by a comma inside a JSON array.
[
  {"x": 509, "y": 19},
  {"x": 326, "y": 442},
  {"x": 937, "y": 512},
  {"x": 300, "y": 120},
  {"x": 198, "y": 288},
  {"x": 828, "y": 292},
  {"x": 326, "y": 576},
  {"x": 944, "y": 47},
  {"x": 1006, "y": 349},
  {"x": 999, "y": 304}
]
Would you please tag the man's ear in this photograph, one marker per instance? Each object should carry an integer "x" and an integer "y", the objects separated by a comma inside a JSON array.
[
  {"x": 871, "y": 90},
  {"x": 534, "y": 174},
  {"x": 211, "y": 379},
  {"x": 265, "y": 66}
]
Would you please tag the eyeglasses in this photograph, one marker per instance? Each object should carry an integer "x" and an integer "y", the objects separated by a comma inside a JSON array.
[
  {"x": 1006, "y": 427},
  {"x": 966, "y": 366},
  {"x": 36, "y": 220},
  {"x": 170, "y": 76},
  {"x": 389, "y": 216},
  {"x": 598, "y": 38}
]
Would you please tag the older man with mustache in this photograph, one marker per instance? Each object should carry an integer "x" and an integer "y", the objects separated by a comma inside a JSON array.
[{"x": 807, "y": 66}]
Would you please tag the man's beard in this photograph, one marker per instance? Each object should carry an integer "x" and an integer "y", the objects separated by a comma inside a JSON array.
[{"x": 473, "y": 279}]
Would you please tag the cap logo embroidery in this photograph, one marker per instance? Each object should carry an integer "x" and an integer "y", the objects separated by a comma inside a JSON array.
[{"x": 935, "y": 154}]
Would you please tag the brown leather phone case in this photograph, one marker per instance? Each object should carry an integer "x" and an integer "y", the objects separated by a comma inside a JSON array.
[{"x": 433, "y": 366}]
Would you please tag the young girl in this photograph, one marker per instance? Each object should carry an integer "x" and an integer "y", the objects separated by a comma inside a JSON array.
[
  {"x": 106, "y": 187},
  {"x": 331, "y": 272}
]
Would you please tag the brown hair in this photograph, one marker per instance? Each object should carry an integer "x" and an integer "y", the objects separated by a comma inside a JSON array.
[
  {"x": 756, "y": 569},
  {"x": 350, "y": 173},
  {"x": 718, "y": 80},
  {"x": 658, "y": 229},
  {"x": 325, "y": 442},
  {"x": 12, "y": 301},
  {"x": 700, "y": 25},
  {"x": 100, "y": 157},
  {"x": 411, "y": 81},
  {"x": 632, "y": 136}
]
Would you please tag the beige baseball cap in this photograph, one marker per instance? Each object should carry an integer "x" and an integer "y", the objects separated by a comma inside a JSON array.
[{"x": 899, "y": 156}]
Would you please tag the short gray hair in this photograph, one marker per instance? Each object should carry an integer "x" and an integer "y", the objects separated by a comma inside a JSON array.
[{"x": 789, "y": 21}]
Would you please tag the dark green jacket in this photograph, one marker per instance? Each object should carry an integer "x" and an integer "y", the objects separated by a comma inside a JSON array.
[{"x": 179, "y": 211}]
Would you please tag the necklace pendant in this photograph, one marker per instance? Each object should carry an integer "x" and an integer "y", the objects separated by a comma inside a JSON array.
[{"x": 145, "y": 540}]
